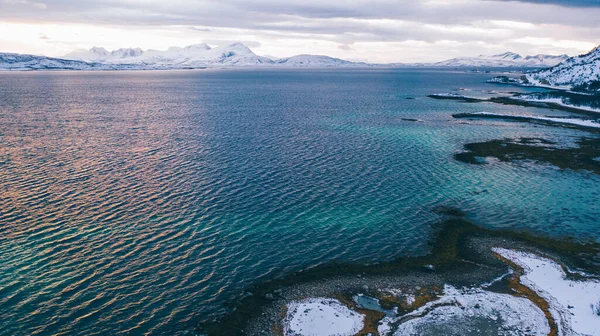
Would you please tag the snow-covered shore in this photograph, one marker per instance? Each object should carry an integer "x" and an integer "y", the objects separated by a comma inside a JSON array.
[
  {"x": 573, "y": 304},
  {"x": 321, "y": 317},
  {"x": 557, "y": 101},
  {"x": 554, "y": 120},
  {"x": 462, "y": 311}
]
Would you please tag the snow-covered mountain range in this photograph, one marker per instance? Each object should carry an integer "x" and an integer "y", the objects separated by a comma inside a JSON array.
[
  {"x": 233, "y": 55},
  {"x": 31, "y": 62},
  {"x": 316, "y": 61},
  {"x": 194, "y": 56},
  {"x": 201, "y": 55},
  {"x": 582, "y": 71},
  {"x": 507, "y": 59}
]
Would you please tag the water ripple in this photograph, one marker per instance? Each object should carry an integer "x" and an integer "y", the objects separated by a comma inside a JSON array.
[{"x": 142, "y": 203}]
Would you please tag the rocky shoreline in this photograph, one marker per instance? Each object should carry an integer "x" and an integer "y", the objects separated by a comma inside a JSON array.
[
  {"x": 461, "y": 256},
  {"x": 480, "y": 277}
]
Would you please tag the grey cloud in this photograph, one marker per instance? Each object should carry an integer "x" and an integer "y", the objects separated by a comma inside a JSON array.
[
  {"x": 564, "y": 3},
  {"x": 242, "y": 14},
  {"x": 250, "y": 44},
  {"x": 200, "y": 29},
  {"x": 341, "y": 22}
]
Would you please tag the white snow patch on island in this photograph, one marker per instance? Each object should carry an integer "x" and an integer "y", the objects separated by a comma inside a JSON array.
[
  {"x": 410, "y": 299},
  {"x": 459, "y": 310},
  {"x": 557, "y": 101},
  {"x": 571, "y": 301},
  {"x": 321, "y": 317},
  {"x": 570, "y": 121}
]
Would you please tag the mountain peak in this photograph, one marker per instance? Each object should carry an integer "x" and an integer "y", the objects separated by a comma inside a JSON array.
[
  {"x": 508, "y": 55},
  {"x": 127, "y": 52},
  {"x": 99, "y": 50},
  {"x": 595, "y": 51},
  {"x": 579, "y": 71},
  {"x": 507, "y": 59},
  {"x": 237, "y": 46}
]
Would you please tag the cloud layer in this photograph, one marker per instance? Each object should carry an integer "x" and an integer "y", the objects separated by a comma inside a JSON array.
[{"x": 371, "y": 30}]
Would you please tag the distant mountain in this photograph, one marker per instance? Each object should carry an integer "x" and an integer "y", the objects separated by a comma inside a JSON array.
[
  {"x": 97, "y": 54},
  {"x": 202, "y": 55},
  {"x": 194, "y": 56},
  {"x": 316, "y": 61},
  {"x": 507, "y": 59},
  {"x": 237, "y": 54},
  {"x": 31, "y": 62},
  {"x": 233, "y": 55},
  {"x": 579, "y": 72}
]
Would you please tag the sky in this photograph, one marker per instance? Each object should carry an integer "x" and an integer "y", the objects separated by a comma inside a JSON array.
[{"x": 378, "y": 31}]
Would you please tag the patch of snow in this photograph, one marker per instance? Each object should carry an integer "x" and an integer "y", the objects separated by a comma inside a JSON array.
[
  {"x": 500, "y": 278},
  {"x": 570, "y": 121},
  {"x": 558, "y": 101},
  {"x": 573, "y": 71},
  {"x": 458, "y": 310},
  {"x": 410, "y": 299},
  {"x": 202, "y": 55},
  {"x": 321, "y": 317},
  {"x": 507, "y": 59},
  {"x": 315, "y": 61},
  {"x": 394, "y": 291},
  {"x": 385, "y": 328},
  {"x": 10, "y": 61},
  {"x": 571, "y": 301},
  {"x": 449, "y": 95}
]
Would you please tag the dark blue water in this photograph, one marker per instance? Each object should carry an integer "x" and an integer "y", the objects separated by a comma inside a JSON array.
[{"x": 141, "y": 202}]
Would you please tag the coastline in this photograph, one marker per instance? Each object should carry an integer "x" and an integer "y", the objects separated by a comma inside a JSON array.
[
  {"x": 547, "y": 102},
  {"x": 588, "y": 125},
  {"x": 462, "y": 255},
  {"x": 520, "y": 102}
]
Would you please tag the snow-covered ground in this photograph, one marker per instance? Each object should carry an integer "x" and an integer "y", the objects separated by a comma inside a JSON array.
[
  {"x": 558, "y": 101},
  {"x": 572, "y": 302},
  {"x": 574, "y": 71},
  {"x": 570, "y": 121},
  {"x": 574, "y": 305},
  {"x": 455, "y": 96},
  {"x": 507, "y": 59},
  {"x": 194, "y": 56},
  {"x": 321, "y": 317},
  {"x": 239, "y": 55},
  {"x": 449, "y": 94},
  {"x": 471, "y": 310},
  {"x": 202, "y": 55},
  {"x": 32, "y": 62}
]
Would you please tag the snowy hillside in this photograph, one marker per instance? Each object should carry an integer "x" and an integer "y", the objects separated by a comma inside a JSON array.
[
  {"x": 30, "y": 62},
  {"x": 194, "y": 56},
  {"x": 97, "y": 54},
  {"x": 201, "y": 55},
  {"x": 315, "y": 61},
  {"x": 583, "y": 70},
  {"x": 507, "y": 59},
  {"x": 234, "y": 55},
  {"x": 237, "y": 54}
]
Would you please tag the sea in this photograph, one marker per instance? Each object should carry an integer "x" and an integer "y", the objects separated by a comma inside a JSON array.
[{"x": 145, "y": 202}]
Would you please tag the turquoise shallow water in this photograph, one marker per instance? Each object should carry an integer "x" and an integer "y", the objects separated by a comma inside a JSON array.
[{"x": 142, "y": 202}]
